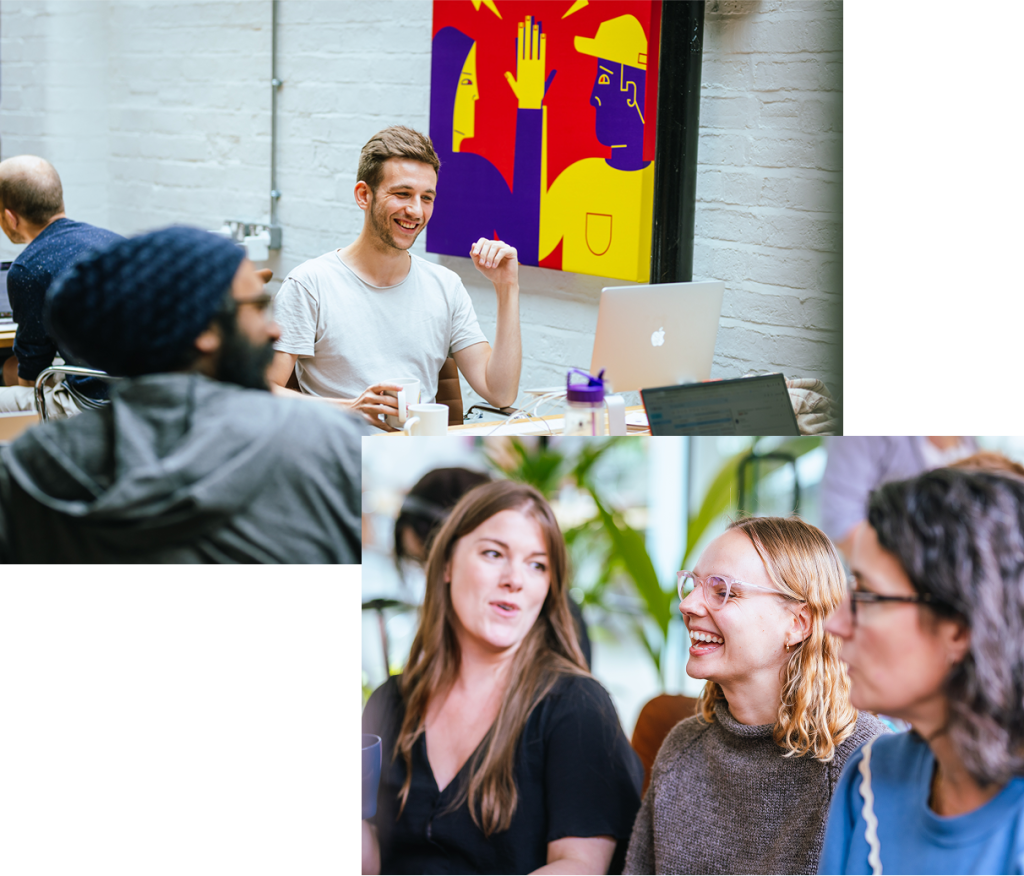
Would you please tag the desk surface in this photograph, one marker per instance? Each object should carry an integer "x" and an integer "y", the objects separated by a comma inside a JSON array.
[
  {"x": 550, "y": 425},
  {"x": 13, "y": 424},
  {"x": 7, "y": 337}
]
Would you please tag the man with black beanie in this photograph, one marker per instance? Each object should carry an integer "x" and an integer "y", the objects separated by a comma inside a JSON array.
[{"x": 193, "y": 460}]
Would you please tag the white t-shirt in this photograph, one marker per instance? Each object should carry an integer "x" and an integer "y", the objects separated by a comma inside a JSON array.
[{"x": 349, "y": 335}]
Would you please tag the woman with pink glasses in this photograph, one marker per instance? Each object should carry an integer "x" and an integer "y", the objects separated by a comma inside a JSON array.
[{"x": 744, "y": 786}]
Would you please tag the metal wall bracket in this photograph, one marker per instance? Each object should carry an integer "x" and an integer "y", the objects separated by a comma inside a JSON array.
[{"x": 241, "y": 230}]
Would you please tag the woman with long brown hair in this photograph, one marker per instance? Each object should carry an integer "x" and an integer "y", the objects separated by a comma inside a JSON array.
[
  {"x": 744, "y": 785},
  {"x": 501, "y": 752}
]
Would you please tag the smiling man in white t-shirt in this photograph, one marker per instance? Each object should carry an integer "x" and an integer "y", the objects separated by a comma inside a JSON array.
[{"x": 356, "y": 317}]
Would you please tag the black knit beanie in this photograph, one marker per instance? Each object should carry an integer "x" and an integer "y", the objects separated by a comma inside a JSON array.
[{"x": 137, "y": 306}]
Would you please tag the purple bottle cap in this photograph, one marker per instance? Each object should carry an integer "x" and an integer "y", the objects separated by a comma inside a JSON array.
[{"x": 591, "y": 392}]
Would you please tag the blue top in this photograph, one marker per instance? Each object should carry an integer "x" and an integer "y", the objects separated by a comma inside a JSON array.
[
  {"x": 912, "y": 837},
  {"x": 57, "y": 247}
]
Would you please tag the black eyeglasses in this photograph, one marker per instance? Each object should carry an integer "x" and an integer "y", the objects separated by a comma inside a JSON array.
[
  {"x": 865, "y": 596},
  {"x": 264, "y": 303}
]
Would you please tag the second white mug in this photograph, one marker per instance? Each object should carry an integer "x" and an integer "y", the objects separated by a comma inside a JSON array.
[{"x": 427, "y": 420}]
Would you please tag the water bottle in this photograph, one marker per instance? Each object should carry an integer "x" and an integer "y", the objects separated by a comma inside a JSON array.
[{"x": 584, "y": 404}]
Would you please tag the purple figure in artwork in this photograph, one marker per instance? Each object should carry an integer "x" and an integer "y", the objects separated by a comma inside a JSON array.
[
  {"x": 473, "y": 199},
  {"x": 619, "y": 121}
]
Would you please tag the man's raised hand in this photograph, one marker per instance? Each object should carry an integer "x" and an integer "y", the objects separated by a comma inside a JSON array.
[{"x": 497, "y": 261}]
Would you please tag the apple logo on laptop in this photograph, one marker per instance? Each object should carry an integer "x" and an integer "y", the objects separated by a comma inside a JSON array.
[{"x": 658, "y": 337}]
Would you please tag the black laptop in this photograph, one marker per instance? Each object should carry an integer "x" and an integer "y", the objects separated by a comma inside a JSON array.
[{"x": 744, "y": 406}]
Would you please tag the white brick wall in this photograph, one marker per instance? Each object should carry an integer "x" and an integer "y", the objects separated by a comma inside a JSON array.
[{"x": 158, "y": 112}]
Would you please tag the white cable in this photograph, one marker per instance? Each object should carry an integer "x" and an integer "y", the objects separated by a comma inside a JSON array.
[
  {"x": 524, "y": 412},
  {"x": 868, "y": 811}
]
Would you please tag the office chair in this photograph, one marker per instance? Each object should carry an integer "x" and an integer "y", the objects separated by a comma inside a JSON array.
[{"x": 449, "y": 392}]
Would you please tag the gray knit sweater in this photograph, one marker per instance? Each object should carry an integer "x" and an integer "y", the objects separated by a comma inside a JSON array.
[{"x": 724, "y": 799}]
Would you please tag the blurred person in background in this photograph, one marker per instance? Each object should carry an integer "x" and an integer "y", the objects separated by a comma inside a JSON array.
[
  {"x": 858, "y": 465},
  {"x": 933, "y": 633},
  {"x": 501, "y": 753},
  {"x": 990, "y": 461},
  {"x": 744, "y": 785},
  {"x": 428, "y": 504},
  {"x": 32, "y": 212}
]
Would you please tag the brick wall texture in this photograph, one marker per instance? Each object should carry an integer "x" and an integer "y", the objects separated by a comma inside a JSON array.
[{"x": 159, "y": 112}]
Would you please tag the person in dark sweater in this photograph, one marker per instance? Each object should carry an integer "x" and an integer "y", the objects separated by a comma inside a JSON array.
[
  {"x": 744, "y": 786},
  {"x": 32, "y": 212}
]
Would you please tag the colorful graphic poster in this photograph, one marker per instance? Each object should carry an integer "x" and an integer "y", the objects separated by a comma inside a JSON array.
[{"x": 543, "y": 115}]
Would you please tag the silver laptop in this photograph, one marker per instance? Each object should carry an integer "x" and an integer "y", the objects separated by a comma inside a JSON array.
[
  {"x": 659, "y": 335},
  {"x": 6, "y": 314}
]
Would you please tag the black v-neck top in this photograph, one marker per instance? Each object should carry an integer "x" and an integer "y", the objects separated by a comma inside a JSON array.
[{"x": 575, "y": 773}]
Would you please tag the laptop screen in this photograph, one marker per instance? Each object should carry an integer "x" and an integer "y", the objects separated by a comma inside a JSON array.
[
  {"x": 744, "y": 406},
  {"x": 5, "y": 304}
]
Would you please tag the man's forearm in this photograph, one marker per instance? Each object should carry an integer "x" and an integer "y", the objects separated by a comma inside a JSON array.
[
  {"x": 277, "y": 389},
  {"x": 506, "y": 359},
  {"x": 10, "y": 371},
  {"x": 11, "y": 377}
]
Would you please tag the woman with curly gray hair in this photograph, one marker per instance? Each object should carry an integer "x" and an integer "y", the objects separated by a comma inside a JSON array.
[{"x": 933, "y": 633}]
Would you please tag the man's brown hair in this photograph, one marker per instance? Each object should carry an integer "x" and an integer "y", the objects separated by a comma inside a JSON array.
[
  {"x": 397, "y": 141},
  {"x": 30, "y": 187}
]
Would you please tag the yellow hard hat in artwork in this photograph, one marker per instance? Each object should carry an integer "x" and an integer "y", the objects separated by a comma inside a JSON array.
[{"x": 621, "y": 40}]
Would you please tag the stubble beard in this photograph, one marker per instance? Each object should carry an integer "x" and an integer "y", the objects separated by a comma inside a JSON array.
[{"x": 381, "y": 226}]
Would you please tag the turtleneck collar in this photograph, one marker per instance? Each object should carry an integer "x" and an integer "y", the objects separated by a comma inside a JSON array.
[{"x": 724, "y": 717}]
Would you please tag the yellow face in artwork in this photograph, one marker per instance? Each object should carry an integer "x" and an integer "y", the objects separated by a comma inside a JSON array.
[{"x": 466, "y": 96}]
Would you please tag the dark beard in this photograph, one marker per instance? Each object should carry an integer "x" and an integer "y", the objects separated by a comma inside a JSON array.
[{"x": 241, "y": 362}]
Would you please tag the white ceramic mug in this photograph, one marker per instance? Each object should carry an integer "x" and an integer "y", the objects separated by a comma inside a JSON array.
[
  {"x": 427, "y": 420},
  {"x": 409, "y": 394}
]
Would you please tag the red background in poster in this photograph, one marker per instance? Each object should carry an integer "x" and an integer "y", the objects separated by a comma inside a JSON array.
[{"x": 570, "y": 116}]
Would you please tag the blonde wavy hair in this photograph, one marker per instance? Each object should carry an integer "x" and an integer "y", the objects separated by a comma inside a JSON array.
[{"x": 815, "y": 714}]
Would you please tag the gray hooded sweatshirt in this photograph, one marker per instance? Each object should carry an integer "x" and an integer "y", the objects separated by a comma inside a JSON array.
[{"x": 180, "y": 468}]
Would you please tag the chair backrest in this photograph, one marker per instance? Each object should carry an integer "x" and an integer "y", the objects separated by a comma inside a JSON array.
[
  {"x": 653, "y": 724},
  {"x": 449, "y": 392},
  {"x": 61, "y": 370}
]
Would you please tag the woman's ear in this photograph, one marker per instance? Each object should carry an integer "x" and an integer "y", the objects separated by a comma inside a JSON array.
[
  {"x": 957, "y": 637},
  {"x": 801, "y": 623}
]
